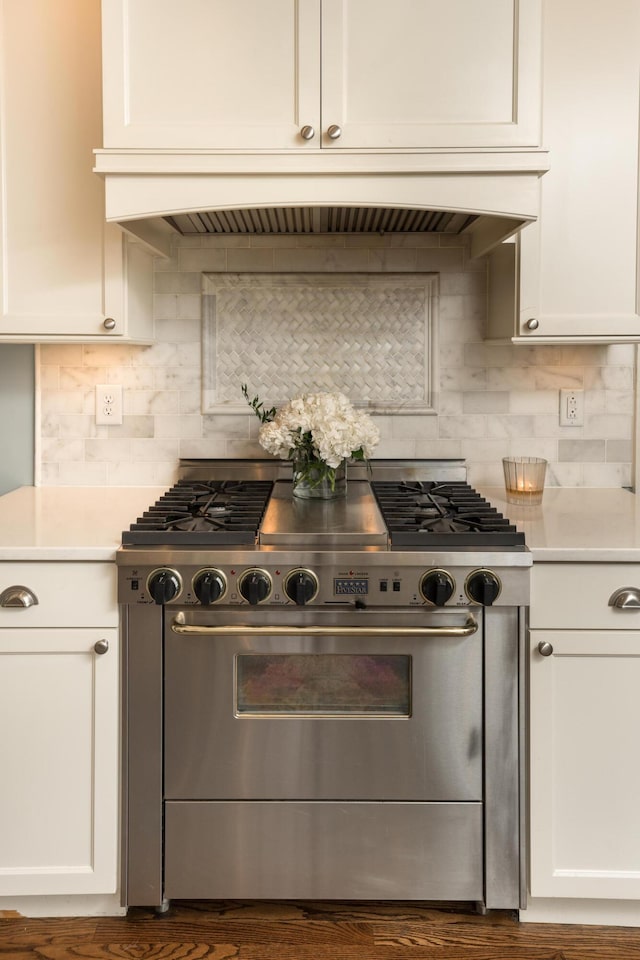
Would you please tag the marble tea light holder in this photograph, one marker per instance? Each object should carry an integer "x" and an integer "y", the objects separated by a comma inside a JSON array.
[{"x": 524, "y": 479}]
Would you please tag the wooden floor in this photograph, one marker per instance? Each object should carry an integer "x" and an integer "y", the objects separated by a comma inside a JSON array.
[{"x": 304, "y": 930}]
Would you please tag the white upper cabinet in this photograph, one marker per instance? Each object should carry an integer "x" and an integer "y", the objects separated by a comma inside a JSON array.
[
  {"x": 358, "y": 74},
  {"x": 64, "y": 271},
  {"x": 576, "y": 275}
]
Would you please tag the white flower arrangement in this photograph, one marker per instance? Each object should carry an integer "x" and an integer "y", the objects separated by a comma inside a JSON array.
[{"x": 318, "y": 431}]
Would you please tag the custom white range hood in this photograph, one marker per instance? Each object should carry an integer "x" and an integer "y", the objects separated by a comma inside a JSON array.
[{"x": 488, "y": 195}]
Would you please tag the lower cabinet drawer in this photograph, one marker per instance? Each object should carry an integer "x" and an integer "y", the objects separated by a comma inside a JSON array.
[
  {"x": 316, "y": 850},
  {"x": 576, "y": 596},
  {"x": 78, "y": 594}
]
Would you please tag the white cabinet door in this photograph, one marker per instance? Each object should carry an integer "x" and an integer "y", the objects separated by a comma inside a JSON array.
[
  {"x": 585, "y": 775},
  {"x": 63, "y": 269},
  {"x": 245, "y": 74},
  {"x": 59, "y": 761},
  {"x": 439, "y": 73},
  {"x": 225, "y": 73},
  {"x": 578, "y": 263}
]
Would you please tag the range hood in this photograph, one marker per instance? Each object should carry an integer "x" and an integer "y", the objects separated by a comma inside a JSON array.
[{"x": 156, "y": 195}]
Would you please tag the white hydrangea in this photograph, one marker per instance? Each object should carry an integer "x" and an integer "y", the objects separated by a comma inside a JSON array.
[{"x": 320, "y": 426}]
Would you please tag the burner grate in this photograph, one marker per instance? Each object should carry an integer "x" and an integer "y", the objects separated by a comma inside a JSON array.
[
  {"x": 203, "y": 513},
  {"x": 452, "y": 514}
]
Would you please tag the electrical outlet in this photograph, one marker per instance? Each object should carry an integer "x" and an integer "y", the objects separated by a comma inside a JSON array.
[
  {"x": 571, "y": 408},
  {"x": 108, "y": 403}
]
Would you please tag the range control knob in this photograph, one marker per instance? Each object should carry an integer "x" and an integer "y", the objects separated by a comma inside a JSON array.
[
  {"x": 255, "y": 585},
  {"x": 301, "y": 586},
  {"x": 164, "y": 584},
  {"x": 483, "y": 587},
  {"x": 437, "y": 586},
  {"x": 209, "y": 585}
]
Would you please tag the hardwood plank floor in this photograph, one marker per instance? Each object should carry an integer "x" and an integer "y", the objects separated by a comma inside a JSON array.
[{"x": 305, "y": 930}]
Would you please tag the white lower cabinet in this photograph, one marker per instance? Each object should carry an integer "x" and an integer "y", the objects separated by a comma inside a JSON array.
[
  {"x": 59, "y": 748},
  {"x": 584, "y": 733}
]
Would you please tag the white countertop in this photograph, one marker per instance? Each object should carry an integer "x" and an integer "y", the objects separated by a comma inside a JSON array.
[
  {"x": 574, "y": 524},
  {"x": 69, "y": 523},
  {"x": 577, "y": 524}
]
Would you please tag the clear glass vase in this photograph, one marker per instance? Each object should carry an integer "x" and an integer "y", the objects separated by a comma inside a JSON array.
[{"x": 319, "y": 482}]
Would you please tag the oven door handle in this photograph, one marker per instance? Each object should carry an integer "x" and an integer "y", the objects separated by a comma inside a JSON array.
[{"x": 469, "y": 627}]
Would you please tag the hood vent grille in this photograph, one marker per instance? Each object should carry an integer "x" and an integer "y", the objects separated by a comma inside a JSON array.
[{"x": 321, "y": 220}]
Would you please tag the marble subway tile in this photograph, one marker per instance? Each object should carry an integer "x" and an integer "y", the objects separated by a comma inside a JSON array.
[
  {"x": 481, "y": 451},
  {"x": 142, "y": 474},
  {"x": 547, "y": 448},
  {"x": 619, "y": 451},
  {"x": 413, "y": 428},
  {"x": 252, "y": 259},
  {"x": 583, "y": 451},
  {"x": 434, "y": 448},
  {"x": 61, "y": 355},
  {"x": 178, "y": 282},
  {"x": 465, "y": 426},
  {"x": 513, "y": 425},
  {"x": 198, "y": 260},
  {"x": 180, "y": 427},
  {"x": 609, "y": 425},
  {"x": 110, "y": 450},
  {"x": 388, "y": 260},
  {"x": 147, "y": 402},
  {"x": 222, "y": 425},
  {"x": 155, "y": 449},
  {"x": 189, "y": 306},
  {"x": 59, "y": 450},
  {"x": 329, "y": 260},
  {"x": 535, "y": 402},
  {"x": 83, "y": 474},
  {"x": 180, "y": 330},
  {"x": 607, "y": 474},
  {"x": 489, "y": 401}
]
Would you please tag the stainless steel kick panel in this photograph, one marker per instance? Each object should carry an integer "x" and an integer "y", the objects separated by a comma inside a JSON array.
[{"x": 344, "y": 851}]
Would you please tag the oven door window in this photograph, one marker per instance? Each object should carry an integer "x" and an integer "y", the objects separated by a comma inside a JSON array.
[{"x": 322, "y": 685}]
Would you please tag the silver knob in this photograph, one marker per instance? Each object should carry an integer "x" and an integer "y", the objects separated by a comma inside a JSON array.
[
  {"x": 17, "y": 596},
  {"x": 334, "y": 131},
  {"x": 626, "y": 598},
  {"x": 544, "y": 648},
  {"x": 101, "y": 646},
  {"x": 532, "y": 324},
  {"x": 109, "y": 323},
  {"x": 307, "y": 132}
]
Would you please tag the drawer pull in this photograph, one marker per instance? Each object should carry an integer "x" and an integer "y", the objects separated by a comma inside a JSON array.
[
  {"x": 626, "y": 598},
  {"x": 17, "y": 596},
  {"x": 101, "y": 646},
  {"x": 545, "y": 649}
]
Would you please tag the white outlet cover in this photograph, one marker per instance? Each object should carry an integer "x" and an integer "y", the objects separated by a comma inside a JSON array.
[{"x": 108, "y": 404}]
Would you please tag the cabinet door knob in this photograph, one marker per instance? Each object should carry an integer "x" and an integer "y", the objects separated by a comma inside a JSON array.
[
  {"x": 334, "y": 131},
  {"x": 545, "y": 649},
  {"x": 626, "y": 598},
  {"x": 109, "y": 323},
  {"x": 532, "y": 324},
  {"x": 18, "y": 596},
  {"x": 307, "y": 132},
  {"x": 101, "y": 646}
]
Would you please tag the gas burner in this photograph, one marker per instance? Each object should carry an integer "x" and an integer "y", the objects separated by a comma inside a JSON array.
[
  {"x": 203, "y": 513},
  {"x": 431, "y": 514}
]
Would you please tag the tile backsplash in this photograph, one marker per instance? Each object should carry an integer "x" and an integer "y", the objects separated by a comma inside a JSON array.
[{"x": 491, "y": 399}]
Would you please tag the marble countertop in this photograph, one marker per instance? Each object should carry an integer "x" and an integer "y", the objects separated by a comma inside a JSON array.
[
  {"x": 86, "y": 523},
  {"x": 69, "y": 523},
  {"x": 577, "y": 524}
]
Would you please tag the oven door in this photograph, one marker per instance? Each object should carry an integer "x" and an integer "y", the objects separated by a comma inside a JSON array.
[{"x": 308, "y": 704}]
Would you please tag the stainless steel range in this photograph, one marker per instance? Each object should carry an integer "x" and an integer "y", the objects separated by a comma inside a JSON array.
[{"x": 323, "y": 699}]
